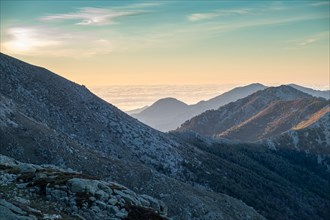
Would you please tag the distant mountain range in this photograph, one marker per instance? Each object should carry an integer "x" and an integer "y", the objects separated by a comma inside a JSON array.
[
  {"x": 46, "y": 119},
  {"x": 169, "y": 113},
  {"x": 317, "y": 93},
  {"x": 136, "y": 111}
]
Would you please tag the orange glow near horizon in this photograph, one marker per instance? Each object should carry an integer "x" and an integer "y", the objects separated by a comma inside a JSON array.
[{"x": 138, "y": 73}]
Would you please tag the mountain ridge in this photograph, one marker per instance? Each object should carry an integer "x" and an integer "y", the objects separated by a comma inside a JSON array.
[
  {"x": 214, "y": 122},
  {"x": 278, "y": 117},
  {"x": 176, "y": 116}
]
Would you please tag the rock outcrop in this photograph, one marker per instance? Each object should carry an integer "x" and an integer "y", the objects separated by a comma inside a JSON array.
[{"x": 29, "y": 191}]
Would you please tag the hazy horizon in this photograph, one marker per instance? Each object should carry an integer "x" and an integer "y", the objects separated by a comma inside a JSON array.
[
  {"x": 171, "y": 42},
  {"x": 130, "y": 97}
]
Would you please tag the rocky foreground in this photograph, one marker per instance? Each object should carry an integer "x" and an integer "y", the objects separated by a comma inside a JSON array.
[{"x": 29, "y": 191}]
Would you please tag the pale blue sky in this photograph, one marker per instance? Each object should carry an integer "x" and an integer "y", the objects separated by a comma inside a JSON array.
[{"x": 173, "y": 42}]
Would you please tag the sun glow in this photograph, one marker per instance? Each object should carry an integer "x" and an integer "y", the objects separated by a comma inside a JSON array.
[{"x": 25, "y": 39}]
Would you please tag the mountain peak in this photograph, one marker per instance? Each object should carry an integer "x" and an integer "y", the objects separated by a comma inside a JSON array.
[
  {"x": 257, "y": 84},
  {"x": 164, "y": 107},
  {"x": 283, "y": 92},
  {"x": 253, "y": 85},
  {"x": 169, "y": 100}
]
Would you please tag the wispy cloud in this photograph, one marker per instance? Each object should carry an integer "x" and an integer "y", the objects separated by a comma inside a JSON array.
[
  {"x": 143, "y": 5},
  {"x": 274, "y": 6},
  {"x": 101, "y": 16},
  {"x": 217, "y": 13},
  {"x": 313, "y": 39},
  {"x": 201, "y": 16},
  {"x": 320, "y": 3},
  {"x": 174, "y": 34},
  {"x": 91, "y": 16},
  {"x": 264, "y": 22},
  {"x": 301, "y": 43},
  {"x": 307, "y": 41}
]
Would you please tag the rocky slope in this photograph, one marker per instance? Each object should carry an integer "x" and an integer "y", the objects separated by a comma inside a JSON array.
[
  {"x": 29, "y": 191},
  {"x": 278, "y": 117},
  {"x": 49, "y": 100},
  {"x": 311, "y": 135},
  {"x": 47, "y": 119},
  {"x": 168, "y": 114}
]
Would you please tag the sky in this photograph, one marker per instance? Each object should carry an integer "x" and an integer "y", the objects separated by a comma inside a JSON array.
[{"x": 171, "y": 42}]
